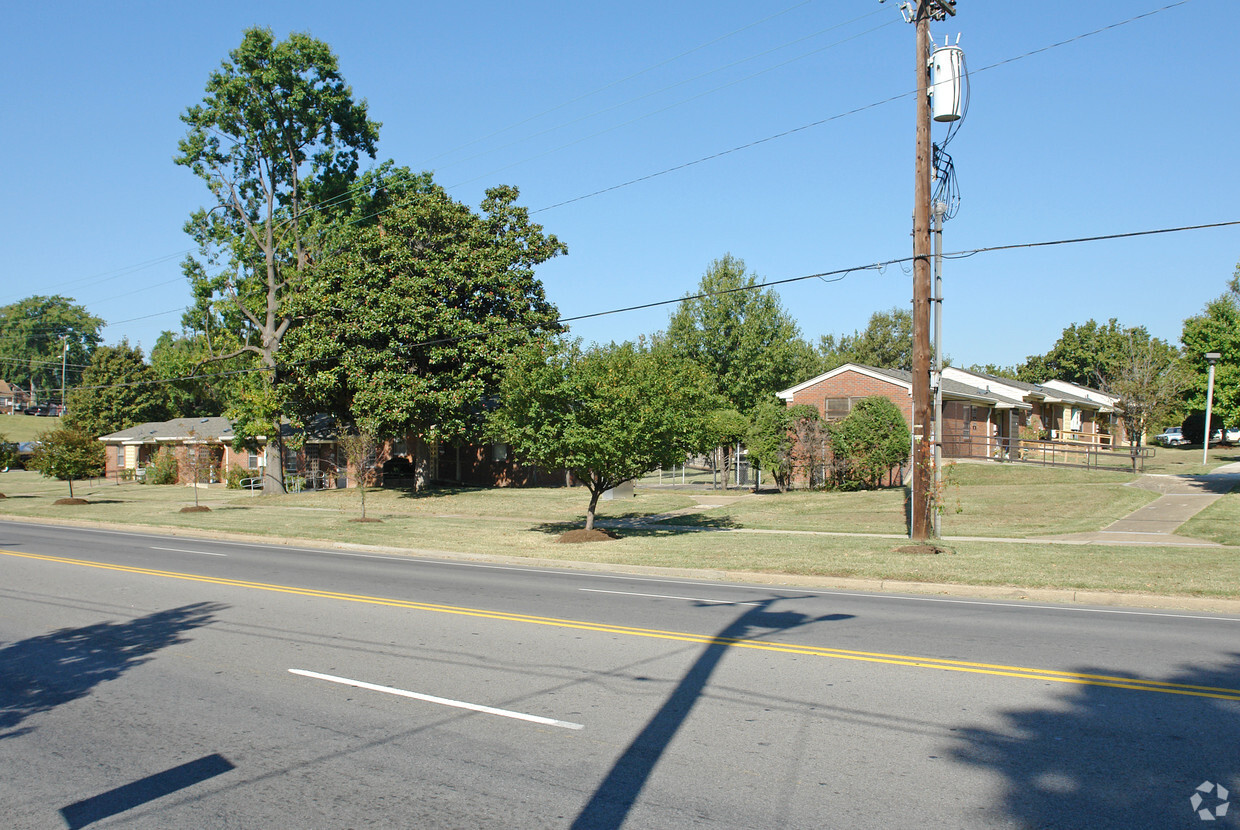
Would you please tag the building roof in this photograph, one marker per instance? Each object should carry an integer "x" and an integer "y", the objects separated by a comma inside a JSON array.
[
  {"x": 953, "y": 390},
  {"x": 178, "y": 429},
  {"x": 319, "y": 429},
  {"x": 1053, "y": 391}
]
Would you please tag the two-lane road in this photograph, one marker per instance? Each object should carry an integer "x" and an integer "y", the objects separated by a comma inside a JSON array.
[{"x": 166, "y": 681}]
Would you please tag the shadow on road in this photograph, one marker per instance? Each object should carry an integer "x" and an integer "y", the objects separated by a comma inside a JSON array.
[
  {"x": 611, "y": 803},
  {"x": 41, "y": 673},
  {"x": 1104, "y": 757},
  {"x": 124, "y": 798}
]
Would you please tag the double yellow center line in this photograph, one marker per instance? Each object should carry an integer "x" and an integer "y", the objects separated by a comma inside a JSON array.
[{"x": 1045, "y": 675}]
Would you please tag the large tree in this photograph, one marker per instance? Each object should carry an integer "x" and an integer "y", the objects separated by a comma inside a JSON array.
[
  {"x": 197, "y": 385},
  {"x": 39, "y": 335},
  {"x": 608, "y": 414},
  {"x": 405, "y": 326},
  {"x": 1084, "y": 354},
  {"x": 1216, "y": 329},
  {"x": 118, "y": 390},
  {"x": 740, "y": 334},
  {"x": 885, "y": 343},
  {"x": 277, "y": 140}
]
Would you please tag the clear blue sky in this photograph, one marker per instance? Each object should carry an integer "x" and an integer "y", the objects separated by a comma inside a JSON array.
[{"x": 1134, "y": 128}]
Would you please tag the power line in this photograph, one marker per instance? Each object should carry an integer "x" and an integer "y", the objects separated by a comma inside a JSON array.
[{"x": 835, "y": 275}]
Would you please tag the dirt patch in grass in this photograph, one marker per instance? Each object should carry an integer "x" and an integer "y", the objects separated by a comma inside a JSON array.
[
  {"x": 201, "y": 508},
  {"x": 367, "y": 520},
  {"x": 71, "y": 501},
  {"x": 929, "y": 550},
  {"x": 595, "y": 535}
]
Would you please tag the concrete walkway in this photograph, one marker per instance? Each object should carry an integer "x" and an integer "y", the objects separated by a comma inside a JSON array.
[{"x": 1181, "y": 498}]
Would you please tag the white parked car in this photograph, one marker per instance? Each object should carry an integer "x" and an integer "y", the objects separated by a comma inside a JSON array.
[{"x": 1170, "y": 437}]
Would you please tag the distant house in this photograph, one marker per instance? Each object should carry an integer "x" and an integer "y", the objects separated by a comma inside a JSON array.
[
  {"x": 313, "y": 458},
  {"x": 974, "y": 419},
  {"x": 13, "y": 399},
  {"x": 1062, "y": 411}
]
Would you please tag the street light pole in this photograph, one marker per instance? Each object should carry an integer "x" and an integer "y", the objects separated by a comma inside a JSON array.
[
  {"x": 64, "y": 354},
  {"x": 1211, "y": 358}
]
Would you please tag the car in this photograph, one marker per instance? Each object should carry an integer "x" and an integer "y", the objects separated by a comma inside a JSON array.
[
  {"x": 1232, "y": 435},
  {"x": 1171, "y": 437}
]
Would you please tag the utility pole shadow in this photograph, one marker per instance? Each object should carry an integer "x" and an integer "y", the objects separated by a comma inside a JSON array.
[{"x": 614, "y": 798}]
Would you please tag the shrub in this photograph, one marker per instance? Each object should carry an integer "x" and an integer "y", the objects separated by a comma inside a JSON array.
[
  {"x": 872, "y": 440},
  {"x": 235, "y": 475},
  {"x": 163, "y": 468}
]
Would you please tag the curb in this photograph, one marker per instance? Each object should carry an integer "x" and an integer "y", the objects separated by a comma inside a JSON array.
[{"x": 1060, "y": 596}]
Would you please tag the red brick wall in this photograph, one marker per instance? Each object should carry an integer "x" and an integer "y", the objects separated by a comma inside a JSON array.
[{"x": 853, "y": 384}]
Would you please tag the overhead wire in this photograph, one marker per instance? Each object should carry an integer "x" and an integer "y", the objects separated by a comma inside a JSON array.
[
  {"x": 836, "y": 275},
  {"x": 721, "y": 153}
]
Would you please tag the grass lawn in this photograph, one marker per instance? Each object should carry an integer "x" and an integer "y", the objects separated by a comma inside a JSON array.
[
  {"x": 24, "y": 427},
  {"x": 996, "y": 501}
]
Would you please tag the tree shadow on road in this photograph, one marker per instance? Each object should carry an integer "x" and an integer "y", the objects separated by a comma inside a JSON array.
[
  {"x": 1111, "y": 757},
  {"x": 614, "y": 798},
  {"x": 41, "y": 673}
]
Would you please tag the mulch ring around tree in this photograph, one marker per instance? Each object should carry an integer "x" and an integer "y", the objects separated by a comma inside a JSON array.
[
  {"x": 200, "y": 508},
  {"x": 71, "y": 501},
  {"x": 595, "y": 535},
  {"x": 933, "y": 550},
  {"x": 368, "y": 520}
]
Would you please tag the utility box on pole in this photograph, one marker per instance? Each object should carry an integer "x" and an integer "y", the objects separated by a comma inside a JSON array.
[{"x": 946, "y": 90}]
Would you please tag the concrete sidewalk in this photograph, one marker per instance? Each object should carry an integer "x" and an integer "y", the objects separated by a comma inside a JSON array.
[{"x": 1181, "y": 498}]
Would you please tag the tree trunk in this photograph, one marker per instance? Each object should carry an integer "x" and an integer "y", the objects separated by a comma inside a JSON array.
[
  {"x": 273, "y": 466},
  {"x": 594, "y": 494},
  {"x": 71, "y": 492}
]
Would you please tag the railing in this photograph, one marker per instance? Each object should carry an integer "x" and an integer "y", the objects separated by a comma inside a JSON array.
[{"x": 1047, "y": 453}]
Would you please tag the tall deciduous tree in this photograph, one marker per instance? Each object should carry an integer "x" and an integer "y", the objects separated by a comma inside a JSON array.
[
  {"x": 1216, "y": 329},
  {"x": 277, "y": 140},
  {"x": 405, "y": 327},
  {"x": 740, "y": 334},
  {"x": 197, "y": 386},
  {"x": 34, "y": 333},
  {"x": 608, "y": 414},
  {"x": 118, "y": 390},
  {"x": 885, "y": 343},
  {"x": 1084, "y": 354}
]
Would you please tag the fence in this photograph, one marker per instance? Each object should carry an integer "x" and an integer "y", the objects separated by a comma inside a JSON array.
[{"x": 1047, "y": 453}]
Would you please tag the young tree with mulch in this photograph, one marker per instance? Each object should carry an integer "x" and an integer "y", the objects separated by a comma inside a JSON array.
[
  {"x": 359, "y": 452},
  {"x": 66, "y": 454}
]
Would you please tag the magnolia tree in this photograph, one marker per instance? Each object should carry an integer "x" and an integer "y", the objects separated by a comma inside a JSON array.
[{"x": 607, "y": 414}]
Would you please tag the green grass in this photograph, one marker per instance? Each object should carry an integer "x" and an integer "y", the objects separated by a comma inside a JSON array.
[
  {"x": 525, "y": 523},
  {"x": 25, "y": 427},
  {"x": 1187, "y": 460}
]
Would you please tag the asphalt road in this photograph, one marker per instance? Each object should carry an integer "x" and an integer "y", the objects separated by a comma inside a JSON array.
[{"x": 167, "y": 682}]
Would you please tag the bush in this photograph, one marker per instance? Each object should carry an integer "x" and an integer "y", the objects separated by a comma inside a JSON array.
[
  {"x": 163, "y": 468},
  {"x": 871, "y": 441},
  {"x": 235, "y": 475}
]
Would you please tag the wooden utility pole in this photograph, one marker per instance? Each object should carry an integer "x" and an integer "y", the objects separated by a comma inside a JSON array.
[{"x": 921, "y": 524}]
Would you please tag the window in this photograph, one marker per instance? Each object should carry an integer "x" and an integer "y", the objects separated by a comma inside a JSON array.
[{"x": 836, "y": 409}]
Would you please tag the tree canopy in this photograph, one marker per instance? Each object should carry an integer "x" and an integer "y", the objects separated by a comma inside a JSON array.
[
  {"x": 1084, "y": 354},
  {"x": 277, "y": 140},
  {"x": 1216, "y": 329},
  {"x": 118, "y": 391},
  {"x": 33, "y": 335},
  {"x": 740, "y": 334},
  {"x": 67, "y": 454},
  {"x": 885, "y": 343},
  {"x": 608, "y": 414},
  {"x": 406, "y": 325}
]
